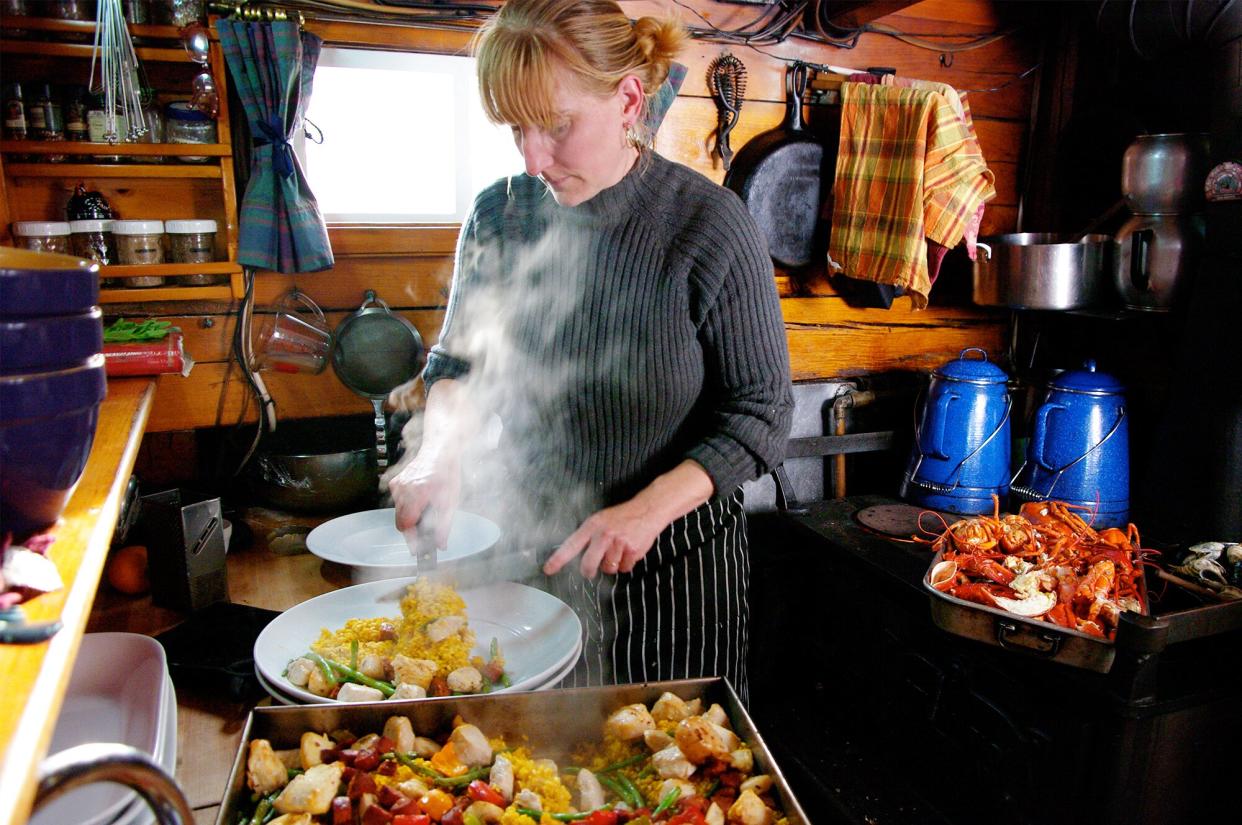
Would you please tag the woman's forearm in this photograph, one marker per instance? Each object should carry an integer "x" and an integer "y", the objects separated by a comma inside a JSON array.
[
  {"x": 450, "y": 420},
  {"x": 671, "y": 495}
]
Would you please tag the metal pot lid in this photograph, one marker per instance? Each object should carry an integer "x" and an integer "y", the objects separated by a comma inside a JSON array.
[
  {"x": 973, "y": 370},
  {"x": 1087, "y": 381}
]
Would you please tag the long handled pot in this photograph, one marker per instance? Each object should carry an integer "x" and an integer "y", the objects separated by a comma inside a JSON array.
[
  {"x": 778, "y": 175},
  {"x": 374, "y": 352}
]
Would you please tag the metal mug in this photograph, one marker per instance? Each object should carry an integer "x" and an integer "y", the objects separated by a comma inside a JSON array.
[
  {"x": 1079, "y": 447},
  {"x": 293, "y": 341},
  {"x": 960, "y": 457}
]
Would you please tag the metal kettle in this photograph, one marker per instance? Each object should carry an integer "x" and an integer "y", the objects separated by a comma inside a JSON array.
[
  {"x": 1155, "y": 259},
  {"x": 960, "y": 457},
  {"x": 1079, "y": 447}
]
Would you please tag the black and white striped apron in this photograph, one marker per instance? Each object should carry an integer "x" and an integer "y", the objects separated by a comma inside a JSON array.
[{"x": 682, "y": 613}]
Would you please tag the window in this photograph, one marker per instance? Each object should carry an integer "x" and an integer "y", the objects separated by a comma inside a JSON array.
[{"x": 404, "y": 138}]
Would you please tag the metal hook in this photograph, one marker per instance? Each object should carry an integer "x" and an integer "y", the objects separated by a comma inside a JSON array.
[{"x": 946, "y": 59}]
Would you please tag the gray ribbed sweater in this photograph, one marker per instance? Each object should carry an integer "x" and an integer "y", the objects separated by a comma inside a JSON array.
[{"x": 619, "y": 337}]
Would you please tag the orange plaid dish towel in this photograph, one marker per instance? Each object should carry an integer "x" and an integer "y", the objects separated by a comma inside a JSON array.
[{"x": 908, "y": 168}]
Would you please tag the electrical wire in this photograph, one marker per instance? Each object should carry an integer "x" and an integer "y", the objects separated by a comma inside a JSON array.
[
  {"x": 241, "y": 351},
  {"x": 1007, "y": 83}
]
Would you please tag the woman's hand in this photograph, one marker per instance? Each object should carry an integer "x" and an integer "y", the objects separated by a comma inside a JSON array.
[
  {"x": 425, "y": 493},
  {"x": 616, "y": 538}
]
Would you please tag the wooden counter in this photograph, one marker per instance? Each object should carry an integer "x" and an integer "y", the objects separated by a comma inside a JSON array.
[{"x": 35, "y": 676}]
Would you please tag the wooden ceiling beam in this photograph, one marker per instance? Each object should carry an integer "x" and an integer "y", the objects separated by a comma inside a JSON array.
[{"x": 850, "y": 14}]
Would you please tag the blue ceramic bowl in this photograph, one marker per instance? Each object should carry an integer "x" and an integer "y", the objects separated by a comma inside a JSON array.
[
  {"x": 44, "y": 283},
  {"x": 47, "y": 426},
  {"x": 49, "y": 342}
]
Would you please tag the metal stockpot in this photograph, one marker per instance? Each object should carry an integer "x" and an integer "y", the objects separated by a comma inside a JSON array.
[
  {"x": 1163, "y": 174},
  {"x": 1039, "y": 270},
  {"x": 960, "y": 457},
  {"x": 1079, "y": 447}
]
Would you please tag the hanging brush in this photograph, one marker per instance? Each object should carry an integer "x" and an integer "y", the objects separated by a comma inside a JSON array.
[{"x": 726, "y": 78}]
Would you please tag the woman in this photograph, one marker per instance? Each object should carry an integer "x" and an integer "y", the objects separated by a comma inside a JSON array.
[{"x": 617, "y": 313}]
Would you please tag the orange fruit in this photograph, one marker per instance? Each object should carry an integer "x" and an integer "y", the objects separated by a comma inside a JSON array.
[{"x": 127, "y": 570}]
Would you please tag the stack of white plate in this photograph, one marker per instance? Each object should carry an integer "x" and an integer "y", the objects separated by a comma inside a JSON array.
[
  {"x": 120, "y": 691},
  {"x": 540, "y": 637}
]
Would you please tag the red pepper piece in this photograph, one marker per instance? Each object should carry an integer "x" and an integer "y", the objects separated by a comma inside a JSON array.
[
  {"x": 342, "y": 811},
  {"x": 360, "y": 784},
  {"x": 480, "y": 791},
  {"x": 367, "y": 760}
]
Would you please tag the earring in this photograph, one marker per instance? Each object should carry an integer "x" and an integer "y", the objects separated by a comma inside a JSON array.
[{"x": 632, "y": 137}]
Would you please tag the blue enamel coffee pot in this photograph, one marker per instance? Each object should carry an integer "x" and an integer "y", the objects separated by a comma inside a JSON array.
[
  {"x": 1079, "y": 447},
  {"x": 960, "y": 457}
]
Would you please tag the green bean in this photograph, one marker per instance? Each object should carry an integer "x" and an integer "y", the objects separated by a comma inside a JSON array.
[
  {"x": 536, "y": 815},
  {"x": 324, "y": 667},
  {"x": 712, "y": 790},
  {"x": 439, "y": 778},
  {"x": 353, "y": 654},
  {"x": 623, "y": 793},
  {"x": 624, "y": 763},
  {"x": 295, "y": 772},
  {"x": 632, "y": 789},
  {"x": 361, "y": 678},
  {"x": 666, "y": 802}
]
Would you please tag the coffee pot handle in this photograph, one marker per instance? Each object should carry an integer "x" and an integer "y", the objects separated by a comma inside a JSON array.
[
  {"x": 935, "y": 447},
  {"x": 1140, "y": 258},
  {"x": 1039, "y": 432}
]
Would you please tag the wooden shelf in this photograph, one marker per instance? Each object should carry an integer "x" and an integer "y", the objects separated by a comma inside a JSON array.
[
  {"x": 85, "y": 50},
  {"x": 81, "y": 147},
  {"x": 213, "y": 292},
  {"x": 52, "y": 24},
  {"x": 169, "y": 270},
  {"x": 110, "y": 170}
]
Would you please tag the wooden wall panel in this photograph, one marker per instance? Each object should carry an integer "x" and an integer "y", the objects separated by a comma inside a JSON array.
[{"x": 411, "y": 267}]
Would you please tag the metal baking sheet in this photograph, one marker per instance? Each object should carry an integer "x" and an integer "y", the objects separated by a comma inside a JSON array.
[
  {"x": 1001, "y": 628},
  {"x": 551, "y": 721}
]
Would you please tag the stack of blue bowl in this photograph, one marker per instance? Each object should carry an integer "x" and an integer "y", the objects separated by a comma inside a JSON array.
[{"x": 51, "y": 383}]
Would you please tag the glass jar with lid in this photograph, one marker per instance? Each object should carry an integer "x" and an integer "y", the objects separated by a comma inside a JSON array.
[
  {"x": 154, "y": 119},
  {"x": 139, "y": 242},
  {"x": 185, "y": 124},
  {"x": 92, "y": 239},
  {"x": 193, "y": 242},
  {"x": 42, "y": 236}
]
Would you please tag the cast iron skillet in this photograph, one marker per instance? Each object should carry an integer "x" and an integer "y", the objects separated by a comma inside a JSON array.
[{"x": 778, "y": 175}]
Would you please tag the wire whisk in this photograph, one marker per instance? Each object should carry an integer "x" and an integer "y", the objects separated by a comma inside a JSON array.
[
  {"x": 121, "y": 76},
  {"x": 726, "y": 78}
]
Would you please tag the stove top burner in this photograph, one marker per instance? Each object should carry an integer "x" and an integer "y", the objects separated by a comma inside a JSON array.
[{"x": 901, "y": 521}]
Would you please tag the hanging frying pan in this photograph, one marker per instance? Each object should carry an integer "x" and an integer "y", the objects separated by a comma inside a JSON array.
[
  {"x": 375, "y": 351},
  {"x": 778, "y": 175}
]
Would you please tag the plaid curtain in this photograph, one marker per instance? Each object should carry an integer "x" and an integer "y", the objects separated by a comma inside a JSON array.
[{"x": 272, "y": 66}]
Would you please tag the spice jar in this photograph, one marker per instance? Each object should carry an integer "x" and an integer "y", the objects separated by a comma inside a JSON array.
[
  {"x": 15, "y": 124},
  {"x": 42, "y": 236},
  {"x": 75, "y": 107},
  {"x": 193, "y": 242},
  {"x": 47, "y": 120},
  {"x": 92, "y": 239},
  {"x": 139, "y": 242},
  {"x": 185, "y": 124}
]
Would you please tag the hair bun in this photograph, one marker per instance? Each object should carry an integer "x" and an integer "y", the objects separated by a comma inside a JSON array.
[{"x": 660, "y": 41}]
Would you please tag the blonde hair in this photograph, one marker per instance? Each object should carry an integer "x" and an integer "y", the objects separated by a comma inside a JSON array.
[{"x": 518, "y": 49}]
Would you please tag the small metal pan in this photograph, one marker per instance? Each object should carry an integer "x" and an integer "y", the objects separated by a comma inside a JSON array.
[{"x": 374, "y": 351}]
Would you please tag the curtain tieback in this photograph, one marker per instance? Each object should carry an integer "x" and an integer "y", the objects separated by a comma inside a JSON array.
[{"x": 272, "y": 132}]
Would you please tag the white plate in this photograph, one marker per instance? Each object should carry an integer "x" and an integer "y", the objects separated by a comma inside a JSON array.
[
  {"x": 370, "y": 543},
  {"x": 538, "y": 633},
  {"x": 140, "y": 813},
  {"x": 281, "y": 698},
  {"x": 115, "y": 694}
]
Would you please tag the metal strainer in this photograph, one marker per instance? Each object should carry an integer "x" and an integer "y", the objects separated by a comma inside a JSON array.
[{"x": 375, "y": 351}]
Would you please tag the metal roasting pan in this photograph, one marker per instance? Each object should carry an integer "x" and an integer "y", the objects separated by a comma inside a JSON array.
[
  {"x": 552, "y": 722},
  {"x": 1036, "y": 637}
]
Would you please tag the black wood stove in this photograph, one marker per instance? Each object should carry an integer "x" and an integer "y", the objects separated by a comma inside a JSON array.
[{"x": 877, "y": 716}]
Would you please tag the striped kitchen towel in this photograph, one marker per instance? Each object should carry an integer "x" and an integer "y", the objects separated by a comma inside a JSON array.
[{"x": 908, "y": 169}]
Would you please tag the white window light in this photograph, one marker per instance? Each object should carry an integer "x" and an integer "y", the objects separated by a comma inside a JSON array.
[{"x": 405, "y": 139}]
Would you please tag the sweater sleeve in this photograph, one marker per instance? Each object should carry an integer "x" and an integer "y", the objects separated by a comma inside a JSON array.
[{"x": 748, "y": 385}]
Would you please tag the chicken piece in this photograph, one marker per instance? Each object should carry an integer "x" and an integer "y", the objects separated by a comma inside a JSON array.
[
  {"x": 671, "y": 763},
  {"x": 413, "y": 787},
  {"x": 264, "y": 770},
  {"x": 716, "y": 715},
  {"x": 742, "y": 760},
  {"x": 670, "y": 708},
  {"x": 401, "y": 732},
  {"x": 373, "y": 666},
  {"x": 311, "y": 792},
  {"x": 699, "y": 741},
  {"x": 292, "y": 819},
  {"x": 548, "y": 765},
  {"x": 424, "y": 747},
  {"x": 311, "y": 749},
  {"x": 318, "y": 684},
  {"x": 291, "y": 757},
  {"x": 715, "y": 815},
  {"x": 728, "y": 737},
  {"x": 656, "y": 740},
  {"x": 759, "y": 783},
  {"x": 465, "y": 680},
  {"x": 443, "y": 627},
  {"x": 526, "y": 798},
  {"x": 590, "y": 792},
  {"x": 408, "y": 691},
  {"x": 486, "y": 812},
  {"x": 350, "y": 692},
  {"x": 299, "y": 671},
  {"x": 684, "y": 789},
  {"x": 365, "y": 741},
  {"x": 471, "y": 746},
  {"x": 629, "y": 723},
  {"x": 749, "y": 810},
  {"x": 501, "y": 777},
  {"x": 413, "y": 671}
]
